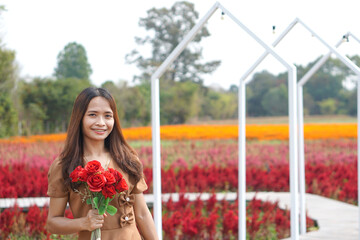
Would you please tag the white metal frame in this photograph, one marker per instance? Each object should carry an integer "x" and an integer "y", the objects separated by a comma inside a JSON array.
[
  {"x": 300, "y": 116},
  {"x": 300, "y": 84},
  {"x": 242, "y": 173}
]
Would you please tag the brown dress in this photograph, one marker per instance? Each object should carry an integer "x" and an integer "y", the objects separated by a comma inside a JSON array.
[{"x": 121, "y": 226}]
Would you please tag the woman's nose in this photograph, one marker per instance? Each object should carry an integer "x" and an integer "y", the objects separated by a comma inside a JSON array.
[{"x": 100, "y": 122}]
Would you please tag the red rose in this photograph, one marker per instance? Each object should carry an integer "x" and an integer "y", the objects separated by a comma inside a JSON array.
[
  {"x": 93, "y": 167},
  {"x": 110, "y": 179},
  {"x": 108, "y": 191},
  {"x": 96, "y": 182},
  {"x": 118, "y": 176},
  {"x": 74, "y": 175},
  {"x": 121, "y": 185},
  {"x": 83, "y": 175}
]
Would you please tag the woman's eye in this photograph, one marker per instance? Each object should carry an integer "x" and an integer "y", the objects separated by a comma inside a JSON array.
[
  {"x": 92, "y": 114},
  {"x": 108, "y": 116}
]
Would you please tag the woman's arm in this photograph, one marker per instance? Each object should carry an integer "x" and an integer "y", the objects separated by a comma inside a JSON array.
[
  {"x": 144, "y": 219},
  {"x": 58, "y": 224}
]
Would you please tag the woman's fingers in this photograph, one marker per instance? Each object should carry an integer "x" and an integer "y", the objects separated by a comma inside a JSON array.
[{"x": 95, "y": 220}]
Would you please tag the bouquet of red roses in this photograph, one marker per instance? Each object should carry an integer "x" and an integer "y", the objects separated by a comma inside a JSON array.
[{"x": 100, "y": 187}]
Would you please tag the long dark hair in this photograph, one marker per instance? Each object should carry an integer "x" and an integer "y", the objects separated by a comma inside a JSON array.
[{"x": 73, "y": 152}]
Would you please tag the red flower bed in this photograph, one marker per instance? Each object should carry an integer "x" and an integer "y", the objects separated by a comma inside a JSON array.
[
  {"x": 219, "y": 220},
  {"x": 14, "y": 222},
  {"x": 190, "y": 167},
  {"x": 337, "y": 181},
  {"x": 183, "y": 220}
]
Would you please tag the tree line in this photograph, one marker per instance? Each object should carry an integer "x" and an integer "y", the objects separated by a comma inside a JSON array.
[{"x": 43, "y": 105}]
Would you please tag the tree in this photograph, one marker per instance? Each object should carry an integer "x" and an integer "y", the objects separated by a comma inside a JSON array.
[
  {"x": 169, "y": 26},
  {"x": 179, "y": 103},
  {"x": 328, "y": 106},
  {"x": 132, "y": 103},
  {"x": 8, "y": 68},
  {"x": 48, "y": 103},
  {"x": 72, "y": 62},
  {"x": 219, "y": 105},
  {"x": 256, "y": 90},
  {"x": 275, "y": 101}
]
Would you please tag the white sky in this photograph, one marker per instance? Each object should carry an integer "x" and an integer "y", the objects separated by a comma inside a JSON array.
[{"x": 39, "y": 29}]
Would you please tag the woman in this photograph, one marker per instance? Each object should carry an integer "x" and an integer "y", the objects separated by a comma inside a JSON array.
[{"x": 94, "y": 133}]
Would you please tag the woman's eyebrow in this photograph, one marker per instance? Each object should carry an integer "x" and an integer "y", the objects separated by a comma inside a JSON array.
[{"x": 94, "y": 111}]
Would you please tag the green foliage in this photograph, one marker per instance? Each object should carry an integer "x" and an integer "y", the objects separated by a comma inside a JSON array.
[
  {"x": 328, "y": 106},
  {"x": 72, "y": 62},
  {"x": 111, "y": 210},
  {"x": 168, "y": 28},
  {"x": 133, "y": 103},
  {"x": 8, "y": 113},
  {"x": 258, "y": 87},
  {"x": 178, "y": 102},
  {"x": 352, "y": 103},
  {"x": 275, "y": 101},
  {"x": 48, "y": 103},
  {"x": 8, "y": 118},
  {"x": 326, "y": 84},
  {"x": 219, "y": 105}
]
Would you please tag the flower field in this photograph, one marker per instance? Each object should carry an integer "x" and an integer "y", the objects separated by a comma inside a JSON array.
[
  {"x": 203, "y": 165},
  {"x": 187, "y": 132}
]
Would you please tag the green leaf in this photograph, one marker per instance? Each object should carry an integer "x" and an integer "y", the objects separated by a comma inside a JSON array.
[
  {"x": 102, "y": 208},
  {"x": 88, "y": 201},
  {"x": 96, "y": 202},
  {"x": 111, "y": 210}
]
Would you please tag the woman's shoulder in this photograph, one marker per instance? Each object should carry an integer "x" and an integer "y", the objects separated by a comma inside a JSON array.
[
  {"x": 56, "y": 185},
  {"x": 56, "y": 164}
]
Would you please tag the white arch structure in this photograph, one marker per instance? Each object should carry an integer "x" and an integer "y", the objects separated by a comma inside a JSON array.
[
  {"x": 300, "y": 116},
  {"x": 242, "y": 185},
  {"x": 300, "y": 85}
]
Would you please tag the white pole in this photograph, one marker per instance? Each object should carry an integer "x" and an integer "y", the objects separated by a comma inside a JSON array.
[
  {"x": 302, "y": 183},
  {"x": 358, "y": 145},
  {"x": 155, "y": 120},
  {"x": 301, "y": 159},
  {"x": 293, "y": 154},
  {"x": 242, "y": 161}
]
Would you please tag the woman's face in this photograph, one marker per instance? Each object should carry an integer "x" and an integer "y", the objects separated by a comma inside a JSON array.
[{"x": 98, "y": 120}]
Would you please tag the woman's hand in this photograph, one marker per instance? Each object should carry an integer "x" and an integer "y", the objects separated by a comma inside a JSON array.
[{"x": 93, "y": 220}]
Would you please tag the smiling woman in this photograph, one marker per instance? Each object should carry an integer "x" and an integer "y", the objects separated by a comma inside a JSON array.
[
  {"x": 98, "y": 120},
  {"x": 94, "y": 133}
]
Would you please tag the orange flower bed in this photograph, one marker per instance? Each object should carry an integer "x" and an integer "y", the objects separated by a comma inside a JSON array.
[{"x": 183, "y": 132}]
